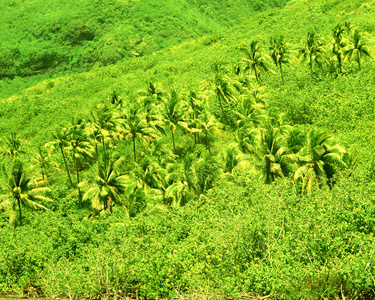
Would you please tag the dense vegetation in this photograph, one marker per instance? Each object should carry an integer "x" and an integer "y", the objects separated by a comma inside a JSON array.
[
  {"x": 75, "y": 35},
  {"x": 220, "y": 163}
]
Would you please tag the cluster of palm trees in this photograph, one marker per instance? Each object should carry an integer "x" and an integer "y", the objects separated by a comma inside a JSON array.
[
  {"x": 348, "y": 43},
  {"x": 174, "y": 139}
]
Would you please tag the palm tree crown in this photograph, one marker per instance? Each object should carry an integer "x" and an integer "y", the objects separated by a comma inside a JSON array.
[{"x": 22, "y": 191}]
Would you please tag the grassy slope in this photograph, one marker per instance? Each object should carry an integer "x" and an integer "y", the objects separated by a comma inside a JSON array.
[
  {"x": 75, "y": 35},
  {"x": 54, "y": 101}
]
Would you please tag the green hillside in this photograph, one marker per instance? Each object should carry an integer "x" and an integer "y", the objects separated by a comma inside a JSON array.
[
  {"x": 190, "y": 149},
  {"x": 75, "y": 35}
]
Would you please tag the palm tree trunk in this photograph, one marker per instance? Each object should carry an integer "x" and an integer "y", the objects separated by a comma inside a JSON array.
[
  {"x": 66, "y": 165},
  {"x": 135, "y": 158},
  {"x": 339, "y": 59},
  {"x": 281, "y": 72},
  {"x": 174, "y": 146},
  {"x": 77, "y": 171},
  {"x": 207, "y": 144},
  {"x": 41, "y": 168},
  {"x": 110, "y": 205},
  {"x": 359, "y": 60},
  {"x": 103, "y": 145},
  {"x": 19, "y": 211}
]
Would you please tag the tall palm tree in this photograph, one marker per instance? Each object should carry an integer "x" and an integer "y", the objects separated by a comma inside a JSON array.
[
  {"x": 43, "y": 160},
  {"x": 279, "y": 53},
  {"x": 62, "y": 137},
  {"x": 313, "y": 51},
  {"x": 357, "y": 49},
  {"x": 277, "y": 159},
  {"x": 108, "y": 186},
  {"x": 338, "y": 44},
  {"x": 222, "y": 86},
  {"x": 209, "y": 127},
  {"x": 22, "y": 191},
  {"x": 196, "y": 108},
  {"x": 149, "y": 99},
  {"x": 12, "y": 146},
  {"x": 135, "y": 126},
  {"x": 249, "y": 112},
  {"x": 173, "y": 112},
  {"x": 254, "y": 61},
  {"x": 319, "y": 158},
  {"x": 104, "y": 125},
  {"x": 80, "y": 147}
]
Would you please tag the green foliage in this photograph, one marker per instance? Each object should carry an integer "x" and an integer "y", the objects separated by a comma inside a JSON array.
[{"x": 168, "y": 197}]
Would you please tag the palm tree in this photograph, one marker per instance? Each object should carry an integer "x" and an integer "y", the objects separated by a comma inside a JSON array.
[
  {"x": 223, "y": 89},
  {"x": 12, "y": 146},
  {"x": 173, "y": 112},
  {"x": 149, "y": 174},
  {"x": 277, "y": 159},
  {"x": 103, "y": 126},
  {"x": 249, "y": 112},
  {"x": 22, "y": 191},
  {"x": 357, "y": 49},
  {"x": 116, "y": 101},
  {"x": 80, "y": 147},
  {"x": 196, "y": 108},
  {"x": 62, "y": 138},
  {"x": 320, "y": 158},
  {"x": 338, "y": 44},
  {"x": 108, "y": 186},
  {"x": 203, "y": 174},
  {"x": 135, "y": 200},
  {"x": 312, "y": 51},
  {"x": 43, "y": 160},
  {"x": 209, "y": 127},
  {"x": 254, "y": 61},
  {"x": 149, "y": 99},
  {"x": 279, "y": 53},
  {"x": 135, "y": 125}
]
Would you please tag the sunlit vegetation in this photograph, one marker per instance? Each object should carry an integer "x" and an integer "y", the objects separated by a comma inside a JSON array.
[{"x": 211, "y": 155}]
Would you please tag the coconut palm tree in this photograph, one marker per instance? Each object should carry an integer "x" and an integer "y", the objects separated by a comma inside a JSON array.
[
  {"x": 249, "y": 112},
  {"x": 196, "y": 108},
  {"x": 279, "y": 53},
  {"x": 62, "y": 137},
  {"x": 12, "y": 146},
  {"x": 312, "y": 51},
  {"x": 173, "y": 112},
  {"x": 210, "y": 127},
  {"x": 116, "y": 101},
  {"x": 223, "y": 88},
  {"x": 357, "y": 49},
  {"x": 338, "y": 44},
  {"x": 277, "y": 158},
  {"x": 106, "y": 190},
  {"x": 22, "y": 191},
  {"x": 135, "y": 200},
  {"x": 135, "y": 126},
  {"x": 319, "y": 158},
  {"x": 103, "y": 126},
  {"x": 43, "y": 160},
  {"x": 80, "y": 147},
  {"x": 254, "y": 61}
]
